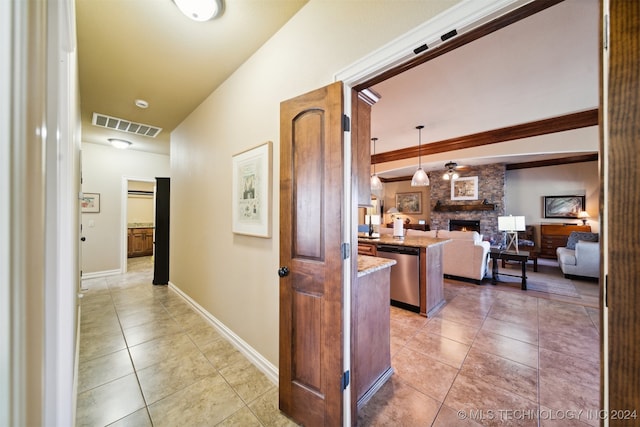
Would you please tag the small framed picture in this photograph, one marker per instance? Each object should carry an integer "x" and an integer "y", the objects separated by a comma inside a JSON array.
[
  {"x": 90, "y": 202},
  {"x": 465, "y": 188}
]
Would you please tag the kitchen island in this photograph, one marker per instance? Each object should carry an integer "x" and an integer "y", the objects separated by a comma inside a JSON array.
[
  {"x": 370, "y": 329},
  {"x": 430, "y": 276}
]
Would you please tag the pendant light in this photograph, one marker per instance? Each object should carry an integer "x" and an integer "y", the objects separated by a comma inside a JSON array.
[
  {"x": 420, "y": 178},
  {"x": 376, "y": 184}
]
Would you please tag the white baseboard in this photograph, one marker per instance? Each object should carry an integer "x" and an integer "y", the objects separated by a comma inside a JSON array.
[
  {"x": 266, "y": 367},
  {"x": 104, "y": 273}
]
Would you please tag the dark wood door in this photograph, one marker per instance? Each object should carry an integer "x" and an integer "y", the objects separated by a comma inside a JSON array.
[
  {"x": 311, "y": 294},
  {"x": 621, "y": 181},
  {"x": 161, "y": 243}
]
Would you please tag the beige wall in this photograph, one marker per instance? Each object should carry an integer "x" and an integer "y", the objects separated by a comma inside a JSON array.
[
  {"x": 526, "y": 188},
  {"x": 103, "y": 168},
  {"x": 390, "y": 191},
  {"x": 232, "y": 276}
]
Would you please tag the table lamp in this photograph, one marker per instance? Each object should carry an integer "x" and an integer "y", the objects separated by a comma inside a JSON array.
[
  {"x": 583, "y": 215},
  {"x": 511, "y": 225}
]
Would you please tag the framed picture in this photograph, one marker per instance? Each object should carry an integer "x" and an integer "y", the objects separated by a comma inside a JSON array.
[
  {"x": 563, "y": 206},
  {"x": 90, "y": 202},
  {"x": 465, "y": 188},
  {"x": 409, "y": 203},
  {"x": 251, "y": 191}
]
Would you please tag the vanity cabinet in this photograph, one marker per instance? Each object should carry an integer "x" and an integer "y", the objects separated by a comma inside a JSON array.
[
  {"x": 140, "y": 242},
  {"x": 553, "y": 236}
]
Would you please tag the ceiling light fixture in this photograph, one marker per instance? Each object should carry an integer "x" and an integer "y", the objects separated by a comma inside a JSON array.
[
  {"x": 122, "y": 144},
  {"x": 141, "y": 103},
  {"x": 200, "y": 10},
  {"x": 420, "y": 178},
  {"x": 376, "y": 184},
  {"x": 451, "y": 171}
]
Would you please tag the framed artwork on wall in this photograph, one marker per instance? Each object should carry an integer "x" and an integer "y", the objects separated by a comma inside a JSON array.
[
  {"x": 251, "y": 191},
  {"x": 90, "y": 203},
  {"x": 563, "y": 206},
  {"x": 409, "y": 203},
  {"x": 465, "y": 188}
]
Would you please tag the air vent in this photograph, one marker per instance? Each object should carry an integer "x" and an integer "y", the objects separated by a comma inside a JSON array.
[{"x": 125, "y": 125}]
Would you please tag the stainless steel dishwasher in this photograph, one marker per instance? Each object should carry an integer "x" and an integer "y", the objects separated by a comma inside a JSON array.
[{"x": 405, "y": 275}]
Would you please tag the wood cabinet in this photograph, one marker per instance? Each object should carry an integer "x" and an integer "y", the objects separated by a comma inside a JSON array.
[
  {"x": 367, "y": 249},
  {"x": 553, "y": 236},
  {"x": 361, "y": 157},
  {"x": 140, "y": 242}
]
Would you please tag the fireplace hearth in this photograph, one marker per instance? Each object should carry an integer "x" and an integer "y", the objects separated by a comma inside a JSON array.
[{"x": 464, "y": 225}]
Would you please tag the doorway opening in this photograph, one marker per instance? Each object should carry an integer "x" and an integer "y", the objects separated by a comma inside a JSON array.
[{"x": 138, "y": 218}]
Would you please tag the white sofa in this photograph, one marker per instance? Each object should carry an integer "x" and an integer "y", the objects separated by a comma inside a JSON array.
[
  {"x": 583, "y": 261},
  {"x": 466, "y": 256}
]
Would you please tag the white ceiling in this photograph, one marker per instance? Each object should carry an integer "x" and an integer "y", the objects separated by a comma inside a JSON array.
[{"x": 543, "y": 66}]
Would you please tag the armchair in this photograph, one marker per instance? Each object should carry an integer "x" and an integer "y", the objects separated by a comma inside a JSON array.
[{"x": 581, "y": 256}]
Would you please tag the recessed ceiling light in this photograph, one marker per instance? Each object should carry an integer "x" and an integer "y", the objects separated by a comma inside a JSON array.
[
  {"x": 122, "y": 144},
  {"x": 200, "y": 10},
  {"x": 141, "y": 103}
]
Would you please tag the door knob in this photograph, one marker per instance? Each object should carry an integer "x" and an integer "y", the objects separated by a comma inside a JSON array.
[
  {"x": 83, "y": 238},
  {"x": 283, "y": 271}
]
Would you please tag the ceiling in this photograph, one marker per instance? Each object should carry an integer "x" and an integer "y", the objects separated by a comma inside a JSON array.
[
  {"x": 146, "y": 49},
  {"x": 543, "y": 66}
]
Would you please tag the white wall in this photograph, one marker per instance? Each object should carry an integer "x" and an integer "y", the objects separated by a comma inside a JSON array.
[
  {"x": 526, "y": 188},
  {"x": 103, "y": 168},
  {"x": 234, "y": 277}
]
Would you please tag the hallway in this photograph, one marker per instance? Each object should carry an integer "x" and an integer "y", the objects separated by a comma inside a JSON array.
[{"x": 495, "y": 354}]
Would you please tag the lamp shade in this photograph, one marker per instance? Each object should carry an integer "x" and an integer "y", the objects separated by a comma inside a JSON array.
[
  {"x": 420, "y": 178},
  {"x": 511, "y": 223},
  {"x": 376, "y": 184}
]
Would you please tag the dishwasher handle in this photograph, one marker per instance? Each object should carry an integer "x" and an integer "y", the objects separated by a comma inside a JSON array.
[{"x": 399, "y": 249}]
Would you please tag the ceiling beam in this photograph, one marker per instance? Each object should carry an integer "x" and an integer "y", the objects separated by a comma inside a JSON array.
[
  {"x": 553, "y": 162},
  {"x": 526, "y": 130}
]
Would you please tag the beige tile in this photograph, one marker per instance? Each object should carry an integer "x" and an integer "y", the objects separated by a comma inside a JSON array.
[
  {"x": 242, "y": 418},
  {"x": 439, "y": 348},
  {"x": 221, "y": 353},
  {"x": 140, "y": 418},
  {"x": 266, "y": 409},
  {"x": 109, "y": 402},
  {"x": 580, "y": 345},
  {"x": 524, "y": 314},
  {"x": 204, "y": 403},
  {"x": 504, "y": 373},
  {"x": 161, "y": 349},
  {"x": 397, "y": 404},
  {"x": 98, "y": 344},
  {"x": 101, "y": 370},
  {"x": 459, "y": 332},
  {"x": 506, "y": 347},
  {"x": 487, "y": 404},
  {"x": 460, "y": 315},
  {"x": 171, "y": 375},
  {"x": 203, "y": 335},
  {"x": 246, "y": 380},
  {"x": 149, "y": 331},
  {"x": 526, "y": 333},
  {"x": 447, "y": 417},
  {"x": 191, "y": 320},
  {"x": 423, "y": 373},
  {"x": 564, "y": 418},
  {"x": 142, "y": 315}
]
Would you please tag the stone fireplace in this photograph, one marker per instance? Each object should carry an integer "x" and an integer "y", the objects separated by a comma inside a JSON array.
[{"x": 464, "y": 225}]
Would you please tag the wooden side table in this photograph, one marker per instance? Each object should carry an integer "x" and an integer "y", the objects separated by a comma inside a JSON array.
[{"x": 521, "y": 256}]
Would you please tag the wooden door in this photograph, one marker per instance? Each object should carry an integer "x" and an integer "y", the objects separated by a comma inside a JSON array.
[
  {"x": 620, "y": 227},
  {"x": 161, "y": 252},
  {"x": 311, "y": 287}
]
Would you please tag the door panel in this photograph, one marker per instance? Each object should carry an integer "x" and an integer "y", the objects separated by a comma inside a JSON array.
[{"x": 311, "y": 174}]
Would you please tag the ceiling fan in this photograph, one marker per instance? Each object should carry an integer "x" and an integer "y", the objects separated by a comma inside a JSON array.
[{"x": 451, "y": 171}]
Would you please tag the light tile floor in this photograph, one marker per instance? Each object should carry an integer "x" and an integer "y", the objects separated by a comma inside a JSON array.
[{"x": 494, "y": 355}]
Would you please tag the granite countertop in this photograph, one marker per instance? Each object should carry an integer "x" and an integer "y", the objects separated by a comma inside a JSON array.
[
  {"x": 412, "y": 241},
  {"x": 368, "y": 264}
]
